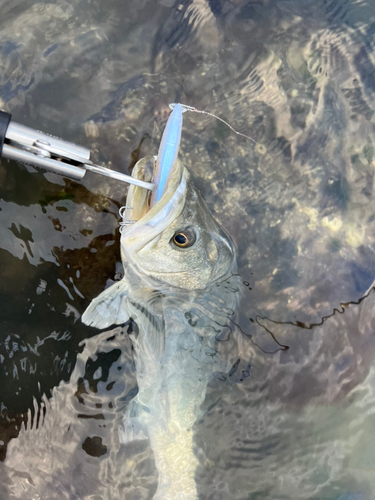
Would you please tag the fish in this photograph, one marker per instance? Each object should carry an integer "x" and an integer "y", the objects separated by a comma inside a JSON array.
[{"x": 180, "y": 288}]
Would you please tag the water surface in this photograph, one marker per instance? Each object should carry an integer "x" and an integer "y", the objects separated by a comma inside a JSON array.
[{"x": 296, "y": 76}]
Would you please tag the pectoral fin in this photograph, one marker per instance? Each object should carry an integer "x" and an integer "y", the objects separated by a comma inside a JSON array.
[{"x": 109, "y": 308}]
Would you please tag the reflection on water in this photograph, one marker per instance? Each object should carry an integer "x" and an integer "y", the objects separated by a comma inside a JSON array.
[{"x": 298, "y": 77}]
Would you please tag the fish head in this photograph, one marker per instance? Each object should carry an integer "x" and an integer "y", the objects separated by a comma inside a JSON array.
[{"x": 176, "y": 241}]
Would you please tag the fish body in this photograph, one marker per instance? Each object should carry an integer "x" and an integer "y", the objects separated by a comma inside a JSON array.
[{"x": 178, "y": 264}]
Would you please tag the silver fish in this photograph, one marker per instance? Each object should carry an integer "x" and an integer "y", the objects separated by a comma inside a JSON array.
[{"x": 180, "y": 289}]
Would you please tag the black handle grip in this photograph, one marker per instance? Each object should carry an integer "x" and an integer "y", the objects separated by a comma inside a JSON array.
[{"x": 4, "y": 123}]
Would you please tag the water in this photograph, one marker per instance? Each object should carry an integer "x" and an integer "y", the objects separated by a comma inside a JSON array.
[{"x": 298, "y": 77}]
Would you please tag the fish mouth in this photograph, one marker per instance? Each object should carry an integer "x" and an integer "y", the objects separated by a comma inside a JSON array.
[
  {"x": 139, "y": 200},
  {"x": 142, "y": 220},
  {"x": 165, "y": 171}
]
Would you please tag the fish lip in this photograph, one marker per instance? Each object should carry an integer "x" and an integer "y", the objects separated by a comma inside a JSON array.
[
  {"x": 158, "y": 217},
  {"x": 177, "y": 177}
]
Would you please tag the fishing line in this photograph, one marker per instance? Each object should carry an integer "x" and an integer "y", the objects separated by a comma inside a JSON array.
[{"x": 195, "y": 110}]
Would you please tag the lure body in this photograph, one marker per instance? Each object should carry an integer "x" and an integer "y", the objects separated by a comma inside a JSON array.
[{"x": 168, "y": 152}]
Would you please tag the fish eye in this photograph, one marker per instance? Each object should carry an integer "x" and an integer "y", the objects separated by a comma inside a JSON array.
[{"x": 185, "y": 238}]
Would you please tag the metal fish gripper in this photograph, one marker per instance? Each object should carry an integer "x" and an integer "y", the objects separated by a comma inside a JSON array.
[{"x": 26, "y": 145}]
